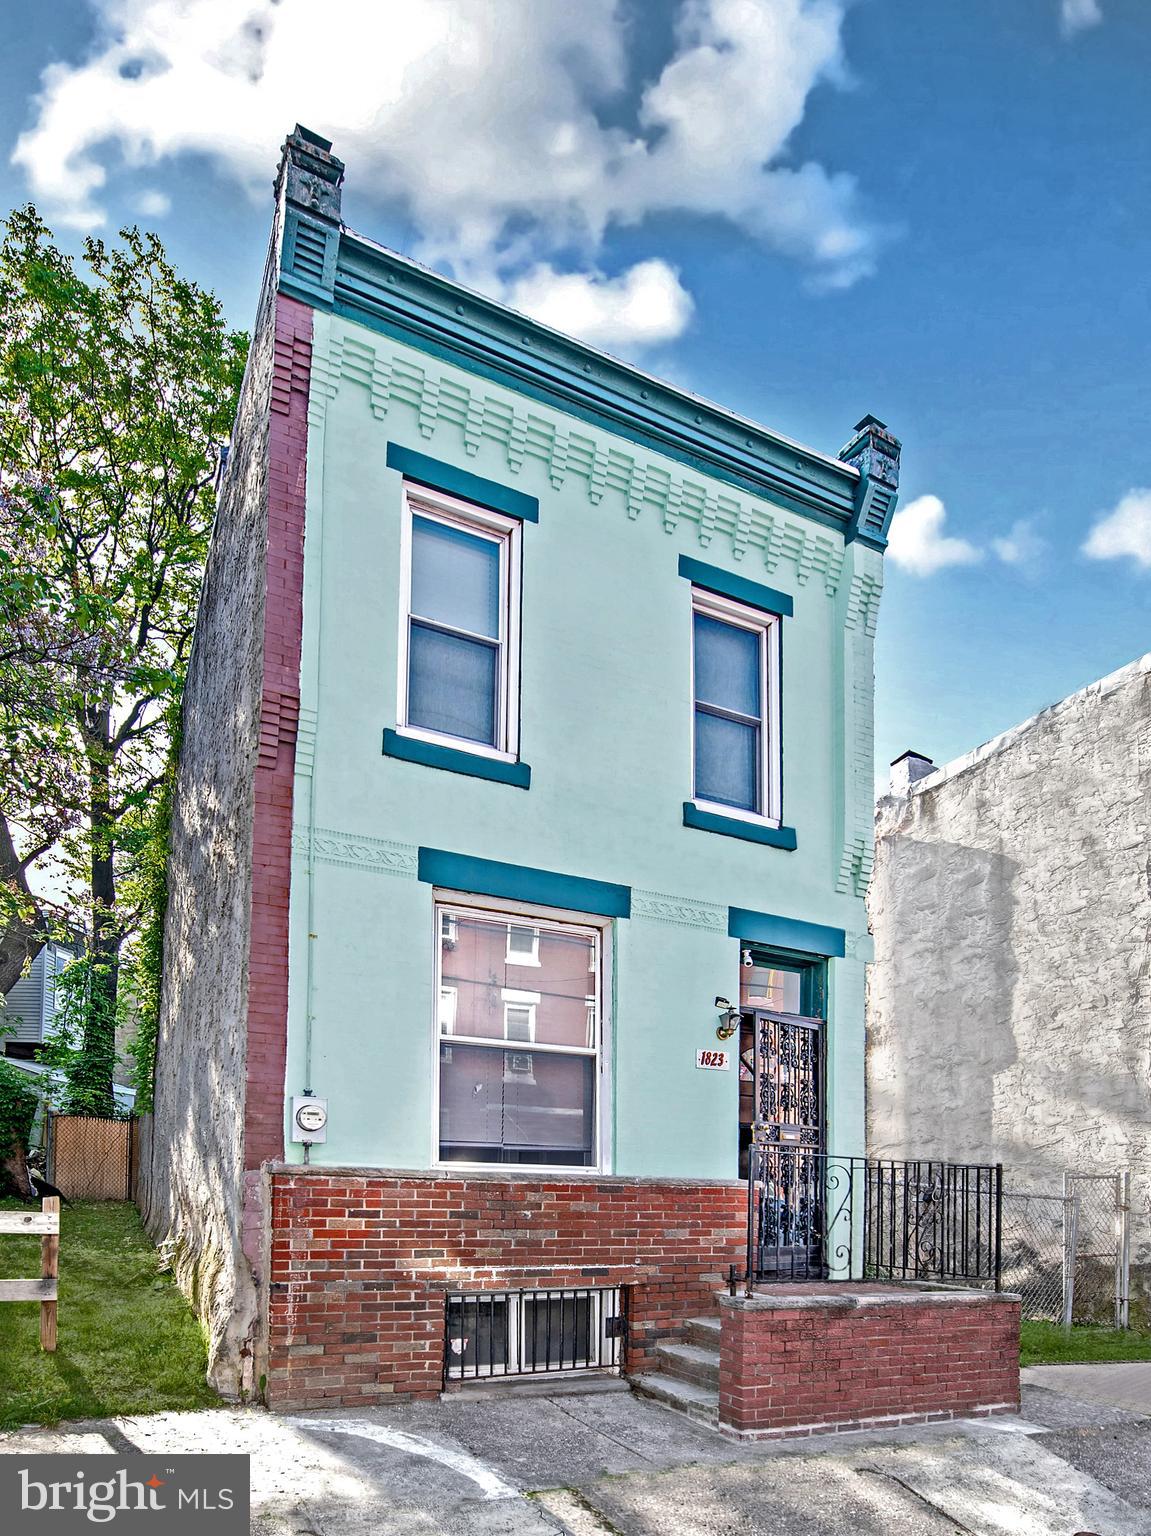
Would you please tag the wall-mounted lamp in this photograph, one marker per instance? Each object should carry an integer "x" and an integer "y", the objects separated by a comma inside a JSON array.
[{"x": 730, "y": 1017}]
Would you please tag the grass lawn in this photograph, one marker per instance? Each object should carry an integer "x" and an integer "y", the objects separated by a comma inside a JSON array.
[
  {"x": 1047, "y": 1344},
  {"x": 127, "y": 1343}
]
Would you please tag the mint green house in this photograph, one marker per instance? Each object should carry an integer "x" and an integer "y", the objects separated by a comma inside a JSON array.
[
  {"x": 586, "y": 662},
  {"x": 562, "y": 787}
]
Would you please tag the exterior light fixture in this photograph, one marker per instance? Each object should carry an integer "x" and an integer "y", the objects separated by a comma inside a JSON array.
[{"x": 730, "y": 1019}]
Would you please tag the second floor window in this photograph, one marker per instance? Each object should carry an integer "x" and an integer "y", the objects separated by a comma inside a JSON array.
[
  {"x": 460, "y": 644},
  {"x": 735, "y": 666}
]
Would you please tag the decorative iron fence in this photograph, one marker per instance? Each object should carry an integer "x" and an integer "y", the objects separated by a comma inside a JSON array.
[
  {"x": 529, "y": 1333},
  {"x": 813, "y": 1216}
]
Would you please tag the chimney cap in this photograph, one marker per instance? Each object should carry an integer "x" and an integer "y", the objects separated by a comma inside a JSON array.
[
  {"x": 300, "y": 132},
  {"x": 919, "y": 757}
]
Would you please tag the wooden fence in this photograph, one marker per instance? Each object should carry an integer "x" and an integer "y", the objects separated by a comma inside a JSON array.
[
  {"x": 46, "y": 1222},
  {"x": 89, "y": 1158}
]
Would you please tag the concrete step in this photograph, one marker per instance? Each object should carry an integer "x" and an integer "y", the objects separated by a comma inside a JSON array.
[
  {"x": 690, "y": 1362},
  {"x": 684, "y": 1396},
  {"x": 703, "y": 1331}
]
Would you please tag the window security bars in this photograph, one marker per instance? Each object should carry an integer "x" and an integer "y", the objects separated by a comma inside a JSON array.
[
  {"x": 812, "y": 1216},
  {"x": 530, "y": 1333}
]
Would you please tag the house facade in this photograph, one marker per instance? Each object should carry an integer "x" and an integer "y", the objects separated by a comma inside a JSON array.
[
  {"x": 28, "y": 1012},
  {"x": 526, "y": 749},
  {"x": 1025, "y": 1038}
]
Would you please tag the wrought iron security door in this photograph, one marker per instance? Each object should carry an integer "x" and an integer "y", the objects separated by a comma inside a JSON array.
[{"x": 787, "y": 1141}]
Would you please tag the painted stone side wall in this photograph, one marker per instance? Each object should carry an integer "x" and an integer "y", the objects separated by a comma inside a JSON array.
[
  {"x": 361, "y": 1262},
  {"x": 193, "y": 1195},
  {"x": 1009, "y": 1014},
  {"x": 824, "y": 1363}
]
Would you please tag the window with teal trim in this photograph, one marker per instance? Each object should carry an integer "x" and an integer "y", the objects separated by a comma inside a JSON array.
[
  {"x": 735, "y": 723},
  {"x": 459, "y": 645},
  {"x": 518, "y": 1050}
]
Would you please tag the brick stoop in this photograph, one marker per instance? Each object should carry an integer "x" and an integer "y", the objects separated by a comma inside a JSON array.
[
  {"x": 814, "y": 1359},
  {"x": 687, "y": 1373}
]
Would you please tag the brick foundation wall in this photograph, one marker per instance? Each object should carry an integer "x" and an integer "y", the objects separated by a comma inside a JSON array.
[
  {"x": 795, "y": 1363},
  {"x": 360, "y": 1264}
]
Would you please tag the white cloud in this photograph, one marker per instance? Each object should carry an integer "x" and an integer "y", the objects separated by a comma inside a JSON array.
[
  {"x": 1021, "y": 546},
  {"x": 1078, "y": 15},
  {"x": 153, "y": 204},
  {"x": 503, "y": 139},
  {"x": 1125, "y": 532},
  {"x": 917, "y": 543},
  {"x": 645, "y": 305}
]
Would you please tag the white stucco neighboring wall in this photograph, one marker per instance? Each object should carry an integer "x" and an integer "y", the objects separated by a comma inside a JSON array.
[{"x": 1009, "y": 1009}]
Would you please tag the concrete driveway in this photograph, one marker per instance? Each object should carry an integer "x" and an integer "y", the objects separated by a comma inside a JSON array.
[{"x": 606, "y": 1462}]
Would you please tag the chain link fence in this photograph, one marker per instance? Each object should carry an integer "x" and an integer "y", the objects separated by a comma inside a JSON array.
[{"x": 1067, "y": 1255}]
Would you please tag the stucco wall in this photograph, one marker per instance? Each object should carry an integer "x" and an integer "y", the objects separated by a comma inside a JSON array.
[
  {"x": 192, "y": 1197},
  {"x": 1008, "y": 1012},
  {"x": 606, "y": 723}
]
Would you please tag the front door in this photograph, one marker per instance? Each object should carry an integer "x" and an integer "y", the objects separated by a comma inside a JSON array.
[{"x": 782, "y": 1064}]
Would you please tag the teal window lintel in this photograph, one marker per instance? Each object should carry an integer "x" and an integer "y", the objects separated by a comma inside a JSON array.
[
  {"x": 735, "y": 826},
  {"x": 714, "y": 579},
  {"x": 786, "y": 933},
  {"x": 449, "y": 478},
  {"x": 516, "y": 882},
  {"x": 456, "y": 760}
]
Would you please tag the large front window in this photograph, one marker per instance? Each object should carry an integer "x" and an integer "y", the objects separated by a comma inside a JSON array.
[
  {"x": 518, "y": 1065},
  {"x": 736, "y": 737},
  {"x": 460, "y": 640}
]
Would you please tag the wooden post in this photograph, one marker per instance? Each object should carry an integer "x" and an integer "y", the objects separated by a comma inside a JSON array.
[{"x": 49, "y": 1270}]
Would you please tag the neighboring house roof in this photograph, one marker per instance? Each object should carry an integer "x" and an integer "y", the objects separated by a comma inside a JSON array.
[{"x": 125, "y": 1098}]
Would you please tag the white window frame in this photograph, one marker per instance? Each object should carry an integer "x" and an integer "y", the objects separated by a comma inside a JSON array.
[
  {"x": 516, "y": 1325},
  {"x": 449, "y": 1001},
  {"x": 517, "y": 957},
  {"x": 506, "y": 532},
  {"x": 767, "y": 627},
  {"x": 529, "y": 1002},
  {"x": 599, "y": 930}
]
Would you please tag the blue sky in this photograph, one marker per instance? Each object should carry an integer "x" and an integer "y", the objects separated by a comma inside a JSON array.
[{"x": 804, "y": 209}]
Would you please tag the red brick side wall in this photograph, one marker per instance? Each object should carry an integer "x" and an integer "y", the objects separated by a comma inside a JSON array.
[
  {"x": 360, "y": 1265},
  {"x": 846, "y": 1363},
  {"x": 279, "y": 718}
]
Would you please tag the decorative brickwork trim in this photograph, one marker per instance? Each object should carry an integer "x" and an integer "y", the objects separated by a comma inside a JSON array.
[
  {"x": 844, "y": 1362},
  {"x": 279, "y": 720},
  {"x": 360, "y": 1266}
]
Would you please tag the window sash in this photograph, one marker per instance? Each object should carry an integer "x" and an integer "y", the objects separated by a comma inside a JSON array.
[
  {"x": 447, "y": 914},
  {"x": 767, "y": 784},
  {"x": 504, "y": 532}
]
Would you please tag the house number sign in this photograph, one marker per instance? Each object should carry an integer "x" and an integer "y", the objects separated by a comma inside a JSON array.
[{"x": 716, "y": 1061}]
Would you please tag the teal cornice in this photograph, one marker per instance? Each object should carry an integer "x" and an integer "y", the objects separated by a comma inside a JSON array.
[{"x": 398, "y": 298}]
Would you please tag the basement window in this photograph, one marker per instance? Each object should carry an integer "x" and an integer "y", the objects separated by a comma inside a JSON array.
[{"x": 532, "y": 1333}]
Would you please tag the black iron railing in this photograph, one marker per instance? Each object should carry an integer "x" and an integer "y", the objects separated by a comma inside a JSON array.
[
  {"x": 814, "y": 1216},
  {"x": 528, "y": 1333}
]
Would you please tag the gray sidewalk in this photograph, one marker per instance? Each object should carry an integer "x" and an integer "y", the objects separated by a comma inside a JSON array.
[{"x": 601, "y": 1463}]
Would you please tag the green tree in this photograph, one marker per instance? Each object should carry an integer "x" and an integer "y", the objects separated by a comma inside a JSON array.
[{"x": 116, "y": 385}]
